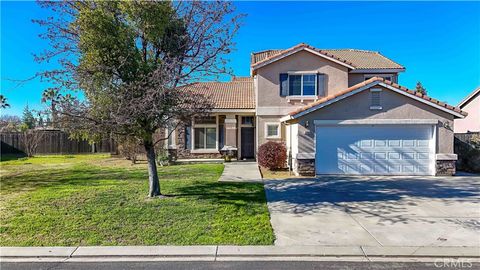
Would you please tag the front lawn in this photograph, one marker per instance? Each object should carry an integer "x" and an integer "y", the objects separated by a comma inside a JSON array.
[{"x": 97, "y": 200}]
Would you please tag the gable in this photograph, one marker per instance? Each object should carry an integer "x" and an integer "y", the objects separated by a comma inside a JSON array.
[
  {"x": 376, "y": 82},
  {"x": 299, "y": 48},
  {"x": 357, "y": 60},
  {"x": 268, "y": 77},
  {"x": 302, "y": 61},
  {"x": 394, "y": 106}
]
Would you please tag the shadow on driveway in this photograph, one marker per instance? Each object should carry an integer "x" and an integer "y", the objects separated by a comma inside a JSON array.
[{"x": 375, "y": 195}]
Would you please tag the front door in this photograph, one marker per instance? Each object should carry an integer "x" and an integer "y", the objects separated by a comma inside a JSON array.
[{"x": 248, "y": 145}]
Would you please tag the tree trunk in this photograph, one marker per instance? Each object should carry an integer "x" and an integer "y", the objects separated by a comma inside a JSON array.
[{"x": 154, "y": 183}]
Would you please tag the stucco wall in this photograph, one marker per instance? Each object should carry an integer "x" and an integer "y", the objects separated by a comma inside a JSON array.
[
  {"x": 395, "y": 106},
  {"x": 261, "y": 120},
  {"x": 268, "y": 77},
  {"x": 472, "y": 121}
]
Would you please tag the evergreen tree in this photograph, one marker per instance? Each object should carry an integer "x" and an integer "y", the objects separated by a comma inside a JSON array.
[
  {"x": 28, "y": 119},
  {"x": 420, "y": 89}
]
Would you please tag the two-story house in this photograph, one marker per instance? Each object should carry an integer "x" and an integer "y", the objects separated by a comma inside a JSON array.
[{"x": 338, "y": 112}]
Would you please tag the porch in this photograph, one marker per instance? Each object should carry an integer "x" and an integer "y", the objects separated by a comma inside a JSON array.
[{"x": 205, "y": 137}]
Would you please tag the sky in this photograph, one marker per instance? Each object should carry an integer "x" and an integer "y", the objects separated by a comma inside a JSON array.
[{"x": 437, "y": 42}]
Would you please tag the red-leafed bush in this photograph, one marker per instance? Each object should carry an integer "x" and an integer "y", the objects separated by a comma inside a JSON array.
[{"x": 272, "y": 155}]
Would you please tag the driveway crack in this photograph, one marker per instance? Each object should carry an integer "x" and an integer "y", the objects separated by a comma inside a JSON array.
[
  {"x": 361, "y": 225},
  {"x": 365, "y": 254}
]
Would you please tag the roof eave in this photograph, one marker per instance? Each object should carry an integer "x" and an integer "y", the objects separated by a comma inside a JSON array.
[
  {"x": 468, "y": 98},
  {"x": 293, "y": 51},
  {"x": 378, "y": 70},
  {"x": 369, "y": 85}
]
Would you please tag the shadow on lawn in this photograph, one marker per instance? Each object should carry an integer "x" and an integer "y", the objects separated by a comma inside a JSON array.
[
  {"x": 8, "y": 157},
  {"x": 85, "y": 176},
  {"x": 176, "y": 182},
  {"x": 222, "y": 192}
]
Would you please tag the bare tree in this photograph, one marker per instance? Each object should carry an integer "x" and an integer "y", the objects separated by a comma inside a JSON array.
[
  {"x": 31, "y": 140},
  {"x": 131, "y": 59},
  {"x": 10, "y": 123},
  {"x": 129, "y": 148}
]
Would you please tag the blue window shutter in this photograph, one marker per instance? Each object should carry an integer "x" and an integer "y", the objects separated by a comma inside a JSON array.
[
  {"x": 283, "y": 84},
  {"x": 321, "y": 85}
]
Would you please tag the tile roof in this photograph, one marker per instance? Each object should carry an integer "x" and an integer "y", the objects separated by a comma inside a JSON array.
[
  {"x": 236, "y": 94},
  {"x": 362, "y": 59},
  {"x": 260, "y": 56},
  {"x": 359, "y": 59},
  {"x": 378, "y": 80}
]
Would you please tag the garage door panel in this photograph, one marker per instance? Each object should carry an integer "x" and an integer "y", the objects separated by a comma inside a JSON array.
[{"x": 374, "y": 150}]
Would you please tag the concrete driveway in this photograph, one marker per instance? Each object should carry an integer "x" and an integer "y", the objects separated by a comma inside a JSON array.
[{"x": 376, "y": 211}]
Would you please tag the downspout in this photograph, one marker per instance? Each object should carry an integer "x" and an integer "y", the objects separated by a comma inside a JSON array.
[{"x": 290, "y": 164}]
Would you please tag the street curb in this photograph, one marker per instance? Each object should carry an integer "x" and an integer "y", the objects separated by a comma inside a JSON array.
[{"x": 234, "y": 253}]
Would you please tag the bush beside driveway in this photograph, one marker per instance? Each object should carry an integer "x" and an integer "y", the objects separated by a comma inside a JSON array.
[{"x": 97, "y": 200}]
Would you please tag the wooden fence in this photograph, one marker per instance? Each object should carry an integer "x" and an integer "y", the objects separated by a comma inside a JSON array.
[{"x": 54, "y": 142}]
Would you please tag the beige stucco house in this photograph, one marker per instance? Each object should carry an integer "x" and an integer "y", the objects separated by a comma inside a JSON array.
[
  {"x": 338, "y": 112},
  {"x": 471, "y": 105}
]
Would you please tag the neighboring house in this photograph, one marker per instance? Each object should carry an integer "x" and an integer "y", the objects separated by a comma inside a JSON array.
[
  {"x": 471, "y": 105},
  {"x": 338, "y": 112}
]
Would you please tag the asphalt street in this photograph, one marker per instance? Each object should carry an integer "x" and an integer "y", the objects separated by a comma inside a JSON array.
[{"x": 247, "y": 265}]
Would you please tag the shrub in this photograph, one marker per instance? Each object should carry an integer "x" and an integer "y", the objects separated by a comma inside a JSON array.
[
  {"x": 272, "y": 155},
  {"x": 129, "y": 148},
  {"x": 162, "y": 156}
]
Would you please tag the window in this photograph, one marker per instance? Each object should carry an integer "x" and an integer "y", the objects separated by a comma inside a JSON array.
[
  {"x": 171, "y": 139},
  {"x": 294, "y": 85},
  {"x": 309, "y": 85},
  {"x": 170, "y": 133},
  {"x": 375, "y": 99},
  {"x": 247, "y": 120},
  {"x": 205, "y": 138},
  {"x": 205, "y": 133},
  {"x": 212, "y": 120},
  {"x": 272, "y": 130},
  {"x": 302, "y": 84},
  {"x": 387, "y": 77}
]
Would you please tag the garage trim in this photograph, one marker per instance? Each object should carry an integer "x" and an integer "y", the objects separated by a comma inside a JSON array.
[
  {"x": 377, "y": 122},
  {"x": 427, "y": 122}
]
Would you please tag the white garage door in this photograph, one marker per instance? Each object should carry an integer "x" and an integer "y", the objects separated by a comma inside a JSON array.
[{"x": 375, "y": 149}]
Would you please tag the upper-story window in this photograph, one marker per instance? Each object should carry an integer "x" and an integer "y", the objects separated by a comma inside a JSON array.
[
  {"x": 388, "y": 77},
  {"x": 302, "y": 84}
]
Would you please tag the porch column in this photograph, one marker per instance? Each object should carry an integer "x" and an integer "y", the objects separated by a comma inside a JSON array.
[{"x": 230, "y": 130}]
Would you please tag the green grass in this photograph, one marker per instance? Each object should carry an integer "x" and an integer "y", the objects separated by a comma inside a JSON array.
[{"x": 97, "y": 200}]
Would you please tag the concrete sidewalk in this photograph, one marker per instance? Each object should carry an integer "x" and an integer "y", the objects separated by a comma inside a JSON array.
[
  {"x": 235, "y": 253},
  {"x": 241, "y": 171}
]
